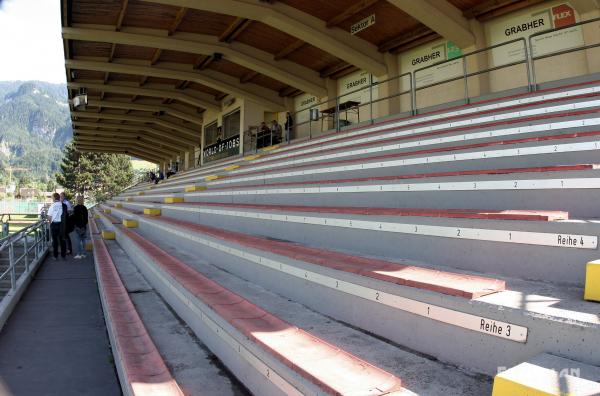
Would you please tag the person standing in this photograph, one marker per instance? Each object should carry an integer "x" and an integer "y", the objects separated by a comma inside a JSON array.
[
  {"x": 289, "y": 124},
  {"x": 55, "y": 216},
  {"x": 68, "y": 226},
  {"x": 275, "y": 132},
  {"x": 80, "y": 222}
]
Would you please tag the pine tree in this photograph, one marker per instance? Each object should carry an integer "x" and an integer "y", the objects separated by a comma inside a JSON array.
[{"x": 97, "y": 176}]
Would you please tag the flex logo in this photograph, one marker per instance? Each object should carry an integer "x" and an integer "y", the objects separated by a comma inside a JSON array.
[{"x": 563, "y": 15}]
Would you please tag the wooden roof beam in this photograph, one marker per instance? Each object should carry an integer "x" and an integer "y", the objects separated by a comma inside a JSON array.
[
  {"x": 288, "y": 50},
  {"x": 150, "y": 108},
  {"x": 299, "y": 24},
  {"x": 441, "y": 17},
  {"x": 406, "y": 38},
  {"x": 234, "y": 30},
  {"x": 218, "y": 81},
  {"x": 249, "y": 77},
  {"x": 131, "y": 128},
  {"x": 350, "y": 11},
  {"x": 128, "y": 142},
  {"x": 333, "y": 69},
  {"x": 181, "y": 134},
  {"x": 209, "y": 50}
]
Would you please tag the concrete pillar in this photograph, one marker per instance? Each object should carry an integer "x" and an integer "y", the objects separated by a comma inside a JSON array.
[
  {"x": 478, "y": 85},
  {"x": 591, "y": 35},
  {"x": 390, "y": 87}
]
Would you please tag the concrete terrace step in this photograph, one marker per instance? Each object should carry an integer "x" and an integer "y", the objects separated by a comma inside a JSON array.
[
  {"x": 456, "y": 284},
  {"x": 404, "y": 148},
  {"x": 534, "y": 312},
  {"x": 582, "y": 92},
  {"x": 561, "y": 248},
  {"x": 442, "y": 378},
  {"x": 192, "y": 365},
  {"x": 324, "y": 366},
  {"x": 423, "y": 137},
  {"x": 141, "y": 369}
]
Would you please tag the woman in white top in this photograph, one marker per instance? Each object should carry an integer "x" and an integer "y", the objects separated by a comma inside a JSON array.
[{"x": 55, "y": 216}]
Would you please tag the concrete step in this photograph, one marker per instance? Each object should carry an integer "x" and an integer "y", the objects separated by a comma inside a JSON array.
[
  {"x": 353, "y": 135},
  {"x": 192, "y": 365},
  {"x": 535, "y": 312},
  {"x": 553, "y": 251},
  {"x": 447, "y": 380}
]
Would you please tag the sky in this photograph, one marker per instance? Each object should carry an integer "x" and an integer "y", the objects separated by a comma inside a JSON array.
[{"x": 30, "y": 41}]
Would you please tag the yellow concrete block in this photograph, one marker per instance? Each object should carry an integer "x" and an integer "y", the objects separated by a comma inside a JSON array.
[
  {"x": 129, "y": 223},
  {"x": 548, "y": 375},
  {"x": 107, "y": 211},
  {"x": 152, "y": 212},
  {"x": 231, "y": 167},
  {"x": 195, "y": 188},
  {"x": 270, "y": 148},
  {"x": 89, "y": 246},
  {"x": 173, "y": 199},
  {"x": 108, "y": 235},
  {"x": 118, "y": 205},
  {"x": 140, "y": 193},
  {"x": 252, "y": 157},
  {"x": 129, "y": 199},
  {"x": 211, "y": 177},
  {"x": 592, "y": 281}
]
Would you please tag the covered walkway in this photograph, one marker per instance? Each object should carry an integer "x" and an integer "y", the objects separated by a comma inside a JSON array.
[{"x": 55, "y": 341}]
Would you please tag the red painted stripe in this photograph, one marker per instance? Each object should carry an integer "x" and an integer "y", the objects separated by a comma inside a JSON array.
[
  {"x": 335, "y": 371},
  {"x": 146, "y": 372},
  {"x": 525, "y": 215},
  {"x": 455, "y": 284},
  {"x": 504, "y": 171},
  {"x": 427, "y": 134},
  {"x": 427, "y": 151}
]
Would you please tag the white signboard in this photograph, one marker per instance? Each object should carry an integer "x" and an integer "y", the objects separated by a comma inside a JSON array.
[
  {"x": 533, "y": 20},
  {"x": 355, "y": 87},
  {"x": 301, "y": 105},
  {"x": 362, "y": 24},
  {"x": 430, "y": 54}
]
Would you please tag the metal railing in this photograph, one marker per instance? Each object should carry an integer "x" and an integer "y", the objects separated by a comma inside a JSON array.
[
  {"x": 21, "y": 251},
  {"x": 312, "y": 121}
]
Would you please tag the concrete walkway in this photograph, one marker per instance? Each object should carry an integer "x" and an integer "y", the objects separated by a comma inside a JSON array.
[{"x": 55, "y": 342}]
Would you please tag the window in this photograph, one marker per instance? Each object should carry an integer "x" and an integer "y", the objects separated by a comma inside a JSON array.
[
  {"x": 231, "y": 124},
  {"x": 210, "y": 134}
]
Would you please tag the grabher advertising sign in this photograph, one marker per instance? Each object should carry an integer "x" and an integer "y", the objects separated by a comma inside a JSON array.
[
  {"x": 430, "y": 54},
  {"x": 524, "y": 24}
]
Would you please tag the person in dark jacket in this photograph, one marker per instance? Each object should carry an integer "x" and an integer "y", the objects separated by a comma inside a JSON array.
[{"x": 80, "y": 222}]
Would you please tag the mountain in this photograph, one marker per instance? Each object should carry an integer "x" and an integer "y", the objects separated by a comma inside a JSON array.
[{"x": 34, "y": 128}]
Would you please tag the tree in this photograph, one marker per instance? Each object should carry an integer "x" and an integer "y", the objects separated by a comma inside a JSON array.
[{"x": 95, "y": 175}]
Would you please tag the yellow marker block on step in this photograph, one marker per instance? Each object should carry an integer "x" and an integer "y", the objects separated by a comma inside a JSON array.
[
  {"x": 152, "y": 212},
  {"x": 129, "y": 223},
  {"x": 108, "y": 235},
  {"x": 231, "y": 167},
  {"x": 96, "y": 216},
  {"x": 128, "y": 199},
  {"x": 107, "y": 211},
  {"x": 89, "y": 246},
  {"x": 173, "y": 199},
  {"x": 118, "y": 206},
  {"x": 195, "y": 188},
  {"x": 592, "y": 281},
  {"x": 211, "y": 177},
  {"x": 252, "y": 157},
  {"x": 273, "y": 147},
  {"x": 141, "y": 193}
]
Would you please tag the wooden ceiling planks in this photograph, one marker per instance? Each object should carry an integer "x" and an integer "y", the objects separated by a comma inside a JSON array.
[
  {"x": 102, "y": 12},
  {"x": 149, "y": 15},
  {"x": 265, "y": 38},
  {"x": 313, "y": 58},
  {"x": 203, "y": 22},
  {"x": 133, "y": 52},
  {"x": 91, "y": 48}
]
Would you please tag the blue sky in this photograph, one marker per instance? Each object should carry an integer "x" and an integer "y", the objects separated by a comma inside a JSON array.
[{"x": 30, "y": 41}]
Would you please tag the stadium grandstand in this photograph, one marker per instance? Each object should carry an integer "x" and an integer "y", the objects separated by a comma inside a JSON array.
[{"x": 364, "y": 197}]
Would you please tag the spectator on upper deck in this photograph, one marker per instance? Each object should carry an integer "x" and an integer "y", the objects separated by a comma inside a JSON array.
[
  {"x": 80, "y": 222},
  {"x": 276, "y": 132}
]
